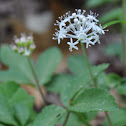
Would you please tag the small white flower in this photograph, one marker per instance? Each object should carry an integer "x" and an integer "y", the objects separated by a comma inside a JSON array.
[
  {"x": 79, "y": 27},
  {"x": 24, "y": 45},
  {"x": 72, "y": 45}
]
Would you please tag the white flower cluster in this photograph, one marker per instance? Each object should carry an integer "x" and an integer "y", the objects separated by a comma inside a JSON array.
[
  {"x": 78, "y": 28},
  {"x": 24, "y": 45}
]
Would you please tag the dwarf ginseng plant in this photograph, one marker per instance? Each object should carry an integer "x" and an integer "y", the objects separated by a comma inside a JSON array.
[
  {"x": 25, "y": 46},
  {"x": 80, "y": 29}
]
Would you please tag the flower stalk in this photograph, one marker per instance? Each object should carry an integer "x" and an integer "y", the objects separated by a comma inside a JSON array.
[
  {"x": 93, "y": 79},
  {"x": 36, "y": 80},
  {"x": 123, "y": 37}
]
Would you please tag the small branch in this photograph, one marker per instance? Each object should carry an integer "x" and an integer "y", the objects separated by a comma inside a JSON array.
[
  {"x": 66, "y": 119},
  {"x": 36, "y": 80},
  {"x": 109, "y": 120}
]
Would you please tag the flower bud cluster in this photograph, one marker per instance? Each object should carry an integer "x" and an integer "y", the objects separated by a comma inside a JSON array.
[
  {"x": 24, "y": 45},
  {"x": 79, "y": 28}
]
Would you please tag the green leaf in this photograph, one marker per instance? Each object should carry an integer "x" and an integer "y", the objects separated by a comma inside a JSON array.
[
  {"x": 93, "y": 100},
  {"x": 8, "y": 89},
  {"x": 22, "y": 113},
  {"x": 47, "y": 64},
  {"x": 49, "y": 116},
  {"x": 76, "y": 64},
  {"x": 13, "y": 75},
  {"x": 121, "y": 89},
  {"x": 80, "y": 82},
  {"x": 113, "y": 14},
  {"x": 101, "y": 81},
  {"x": 6, "y": 114},
  {"x": 14, "y": 100},
  {"x": 95, "y": 3},
  {"x": 118, "y": 118},
  {"x": 114, "y": 49},
  {"x": 15, "y": 94},
  {"x": 113, "y": 80},
  {"x": 17, "y": 64},
  {"x": 21, "y": 97},
  {"x": 58, "y": 83},
  {"x": 113, "y": 22}
]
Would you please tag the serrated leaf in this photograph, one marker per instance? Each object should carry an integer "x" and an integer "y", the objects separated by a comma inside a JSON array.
[
  {"x": 80, "y": 82},
  {"x": 17, "y": 64},
  {"x": 115, "y": 13},
  {"x": 59, "y": 82},
  {"x": 94, "y": 100},
  {"x": 22, "y": 113},
  {"x": 49, "y": 116},
  {"x": 118, "y": 118},
  {"x": 114, "y": 49},
  {"x": 6, "y": 114},
  {"x": 76, "y": 64},
  {"x": 47, "y": 64}
]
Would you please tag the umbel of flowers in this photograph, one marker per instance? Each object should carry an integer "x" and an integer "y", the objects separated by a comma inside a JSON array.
[
  {"x": 24, "y": 45},
  {"x": 78, "y": 28}
]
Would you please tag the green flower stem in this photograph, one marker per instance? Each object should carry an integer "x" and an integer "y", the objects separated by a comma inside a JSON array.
[
  {"x": 93, "y": 79},
  {"x": 66, "y": 119},
  {"x": 123, "y": 37},
  {"x": 86, "y": 59},
  {"x": 36, "y": 80}
]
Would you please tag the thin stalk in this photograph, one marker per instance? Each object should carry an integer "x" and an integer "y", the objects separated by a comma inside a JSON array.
[
  {"x": 66, "y": 119},
  {"x": 123, "y": 38},
  {"x": 93, "y": 79},
  {"x": 109, "y": 120},
  {"x": 36, "y": 80},
  {"x": 86, "y": 59}
]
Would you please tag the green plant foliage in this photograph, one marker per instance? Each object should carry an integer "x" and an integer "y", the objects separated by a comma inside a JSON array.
[
  {"x": 121, "y": 89},
  {"x": 95, "y": 3},
  {"x": 80, "y": 82},
  {"x": 113, "y": 80},
  {"x": 21, "y": 97},
  {"x": 20, "y": 71},
  {"x": 18, "y": 67},
  {"x": 114, "y": 49},
  {"x": 93, "y": 100},
  {"x": 101, "y": 81},
  {"x": 15, "y": 104},
  {"x": 77, "y": 65},
  {"x": 47, "y": 64},
  {"x": 118, "y": 118},
  {"x": 113, "y": 22},
  {"x": 22, "y": 113},
  {"x": 6, "y": 114},
  {"x": 114, "y": 14},
  {"x": 49, "y": 116},
  {"x": 59, "y": 82}
]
